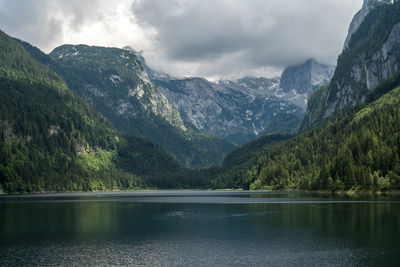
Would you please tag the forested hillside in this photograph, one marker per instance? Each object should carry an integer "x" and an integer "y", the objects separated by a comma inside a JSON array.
[
  {"x": 353, "y": 141},
  {"x": 115, "y": 83},
  {"x": 358, "y": 149},
  {"x": 50, "y": 139}
]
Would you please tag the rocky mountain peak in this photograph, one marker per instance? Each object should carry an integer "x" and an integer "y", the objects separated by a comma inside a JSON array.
[
  {"x": 153, "y": 74},
  {"x": 305, "y": 77},
  {"x": 129, "y": 48}
]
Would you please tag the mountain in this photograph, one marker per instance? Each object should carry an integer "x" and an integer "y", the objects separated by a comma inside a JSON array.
[
  {"x": 372, "y": 56},
  {"x": 301, "y": 81},
  {"x": 294, "y": 86},
  {"x": 116, "y": 77},
  {"x": 51, "y": 139},
  {"x": 225, "y": 108},
  {"x": 116, "y": 84},
  {"x": 153, "y": 75},
  {"x": 241, "y": 110},
  {"x": 359, "y": 150},
  {"x": 357, "y": 146}
]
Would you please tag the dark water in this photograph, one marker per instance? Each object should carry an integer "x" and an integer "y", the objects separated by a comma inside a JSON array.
[{"x": 193, "y": 228}]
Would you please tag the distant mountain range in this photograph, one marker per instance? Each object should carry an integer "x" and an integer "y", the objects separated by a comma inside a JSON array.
[
  {"x": 194, "y": 120},
  {"x": 240, "y": 110},
  {"x": 114, "y": 82}
]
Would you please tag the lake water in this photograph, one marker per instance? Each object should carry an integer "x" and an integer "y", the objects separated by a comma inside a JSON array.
[{"x": 197, "y": 228}]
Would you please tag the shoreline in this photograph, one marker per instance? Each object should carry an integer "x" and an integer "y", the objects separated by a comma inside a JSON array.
[{"x": 320, "y": 192}]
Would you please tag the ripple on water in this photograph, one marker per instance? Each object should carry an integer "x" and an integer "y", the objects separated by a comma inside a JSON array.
[
  {"x": 199, "y": 229},
  {"x": 178, "y": 252}
]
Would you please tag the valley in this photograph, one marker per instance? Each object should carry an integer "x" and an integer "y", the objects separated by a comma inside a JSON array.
[
  {"x": 200, "y": 133},
  {"x": 99, "y": 118}
]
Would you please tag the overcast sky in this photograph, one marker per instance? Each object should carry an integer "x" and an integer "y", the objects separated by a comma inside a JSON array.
[{"x": 209, "y": 38}]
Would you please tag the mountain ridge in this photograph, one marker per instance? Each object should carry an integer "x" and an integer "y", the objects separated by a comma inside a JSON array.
[
  {"x": 51, "y": 139},
  {"x": 238, "y": 110},
  {"x": 120, "y": 89}
]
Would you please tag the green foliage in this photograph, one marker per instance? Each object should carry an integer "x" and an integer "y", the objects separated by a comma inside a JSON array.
[
  {"x": 50, "y": 139},
  {"x": 380, "y": 103},
  {"x": 96, "y": 160},
  {"x": 13, "y": 56},
  {"x": 360, "y": 149},
  {"x": 235, "y": 171},
  {"x": 315, "y": 107},
  {"x": 89, "y": 71},
  {"x": 284, "y": 123},
  {"x": 142, "y": 157},
  {"x": 384, "y": 87}
]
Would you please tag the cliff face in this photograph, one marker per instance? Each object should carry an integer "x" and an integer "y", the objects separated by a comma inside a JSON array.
[
  {"x": 237, "y": 110},
  {"x": 303, "y": 78},
  {"x": 366, "y": 75},
  {"x": 368, "y": 5},
  {"x": 371, "y": 57},
  {"x": 360, "y": 16},
  {"x": 240, "y": 110}
]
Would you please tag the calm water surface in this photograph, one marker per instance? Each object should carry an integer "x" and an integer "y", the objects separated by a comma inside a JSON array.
[{"x": 196, "y": 228}]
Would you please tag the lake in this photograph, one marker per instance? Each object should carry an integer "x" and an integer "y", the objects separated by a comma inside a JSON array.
[{"x": 199, "y": 228}]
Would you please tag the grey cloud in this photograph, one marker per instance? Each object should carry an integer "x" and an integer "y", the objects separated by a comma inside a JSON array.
[
  {"x": 196, "y": 29},
  {"x": 209, "y": 38},
  {"x": 27, "y": 18},
  {"x": 271, "y": 33},
  {"x": 43, "y": 22}
]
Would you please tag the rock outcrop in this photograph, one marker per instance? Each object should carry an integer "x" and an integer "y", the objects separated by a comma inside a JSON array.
[
  {"x": 240, "y": 110},
  {"x": 360, "y": 16},
  {"x": 302, "y": 80},
  {"x": 371, "y": 57},
  {"x": 366, "y": 74},
  {"x": 234, "y": 110}
]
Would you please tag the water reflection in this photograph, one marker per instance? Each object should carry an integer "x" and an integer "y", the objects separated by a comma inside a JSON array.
[{"x": 212, "y": 224}]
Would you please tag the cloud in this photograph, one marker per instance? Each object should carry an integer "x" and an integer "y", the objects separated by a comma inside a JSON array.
[
  {"x": 49, "y": 23},
  {"x": 28, "y": 19},
  {"x": 210, "y": 38},
  {"x": 224, "y": 36}
]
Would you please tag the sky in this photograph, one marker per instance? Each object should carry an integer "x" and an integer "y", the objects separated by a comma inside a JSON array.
[{"x": 207, "y": 38}]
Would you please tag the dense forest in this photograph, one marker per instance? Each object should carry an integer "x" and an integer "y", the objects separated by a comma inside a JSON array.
[
  {"x": 51, "y": 139},
  {"x": 357, "y": 149}
]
